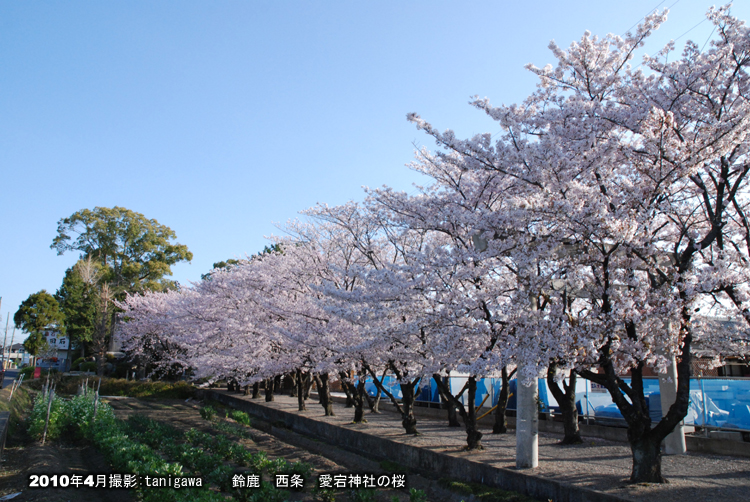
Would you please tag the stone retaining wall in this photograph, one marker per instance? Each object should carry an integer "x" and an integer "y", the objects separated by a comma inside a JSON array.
[{"x": 418, "y": 459}]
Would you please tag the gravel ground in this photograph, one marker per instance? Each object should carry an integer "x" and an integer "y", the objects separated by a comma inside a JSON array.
[{"x": 597, "y": 464}]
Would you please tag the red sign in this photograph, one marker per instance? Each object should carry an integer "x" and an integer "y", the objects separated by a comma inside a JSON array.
[{"x": 37, "y": 372}]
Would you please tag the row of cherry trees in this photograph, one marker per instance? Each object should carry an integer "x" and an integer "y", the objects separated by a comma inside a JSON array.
[{"x": 596, "y": 233}]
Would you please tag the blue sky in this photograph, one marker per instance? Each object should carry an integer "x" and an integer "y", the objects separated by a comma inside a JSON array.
[{"x": 220, "y": 119}]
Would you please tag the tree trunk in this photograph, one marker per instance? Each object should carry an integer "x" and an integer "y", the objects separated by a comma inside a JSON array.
[
  {"x": 355, "y": 394},
  {"x": 468, "y": 413},
  {"x": 374, "y": 402},
  {"x": 324, "y": 392},
  {"x": 319, "y": 386},
  {"x": 359, "y": 401},
  {"x": 347, "y": 388},
  {"x": 293, "y": 391},
  {"x": 645, "y": 442},
  {"x": 473, "y": 435},
  {"x": 300, "y": 391},
  {"x": 269, "y": 389},
  {"x": 307, "y": 385},
  {"x": 501, "y": 423},
  {"x": 277, "y": 383},
  {"x": 408, "y": 420},
  {"x": 446, "y": 404},
  {"x": 256, "y": 390},
  {"x": 646, "y": 460},
  {"x": 566, "y": 398},
  {"x": 406, "y": 407},
  {"x": 246, "y": 390}
]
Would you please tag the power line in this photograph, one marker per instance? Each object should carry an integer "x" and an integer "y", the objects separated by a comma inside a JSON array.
[
  {"x": 691, "y": 29},
  {"x": 648, "y": 13}
]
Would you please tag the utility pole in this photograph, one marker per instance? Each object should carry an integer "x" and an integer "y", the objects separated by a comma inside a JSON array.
[
  {"x": 5, "y": 338},
  {"x": 12, "y": 339}
]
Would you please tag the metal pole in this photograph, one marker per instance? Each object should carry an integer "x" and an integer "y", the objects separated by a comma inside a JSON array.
[
  {"x": 703, "y": 397},
  {"x": 588, "y": 384},
  {"x": 49, "y": 409}
]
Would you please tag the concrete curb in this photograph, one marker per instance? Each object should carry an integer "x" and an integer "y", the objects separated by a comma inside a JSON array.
[{"x": 419, "y": 459}]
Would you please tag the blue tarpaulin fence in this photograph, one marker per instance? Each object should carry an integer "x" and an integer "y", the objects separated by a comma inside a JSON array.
[{"x": 714, "y": 402}]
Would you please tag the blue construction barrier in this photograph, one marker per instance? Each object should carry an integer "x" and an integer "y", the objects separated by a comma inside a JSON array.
[{"x": 715, "y": 402}]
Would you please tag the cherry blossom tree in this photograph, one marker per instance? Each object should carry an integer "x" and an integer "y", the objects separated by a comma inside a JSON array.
[{"x": 634, "y": 181}]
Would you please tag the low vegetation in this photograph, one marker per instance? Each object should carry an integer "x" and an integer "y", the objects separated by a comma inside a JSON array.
[
  {"x": 18, "y": 407},
  {"x": 118, "y": 386},
  {"x": 482, "y": 492}
]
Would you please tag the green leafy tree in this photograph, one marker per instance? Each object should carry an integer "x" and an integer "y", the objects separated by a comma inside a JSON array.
[
  {"x": 135, "y": 253},
  {"x": 39, "y": 312},
  {"x": 123, "y": 252},
  {"x": 77, "y": 297},
  {"x": 221, "y": 264},
  {"x": 275, "y": 248}
]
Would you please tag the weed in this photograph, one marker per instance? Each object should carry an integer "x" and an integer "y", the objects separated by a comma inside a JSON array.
[
  {"x": 417, "y": 495},
  {"x": 393, "y": 467},
  {"x": 368, "y": 495},
  {"x": 208, "y": 413},
  {"x": 241, "y": 417},
  {"x": 482, "y": 492},
  {"x": 324, "y": 494}
]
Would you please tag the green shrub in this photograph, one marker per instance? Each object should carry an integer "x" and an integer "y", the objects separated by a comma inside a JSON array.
[
  {"x": 29, "y": 371},
  {"x": 267, "y": 493},
  {"x": 368, "y": 495},
  {"x": 88, "y": 366},
  {"x": 75, "y": 413},
  {"x": 483, "y": 492},
  {"x": 208, "y": 413},
  {"x": 390, "y": 466},
  {"x": 157, "y": 389},
  {"x": 417, "y": 495},
  {"x": 230, "y": 428},
  {"x": 75, "y": 366},
  {"x": 38, "y": 417},
  {"x": 241, "y": 417},
  {"x": 113, "y": 438},
  {"x": 324, "y": 494}
]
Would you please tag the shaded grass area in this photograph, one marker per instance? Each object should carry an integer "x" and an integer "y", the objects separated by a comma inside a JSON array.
[
  {"x": 483, "y": 492},
  {"x": 120, "y": 387}
]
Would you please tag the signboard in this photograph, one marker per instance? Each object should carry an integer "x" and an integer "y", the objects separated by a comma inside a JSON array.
[
  {"x": 55, "y": 341},
  {"x": 37, "y": 372},
  {"x": 595, "y": 387}
]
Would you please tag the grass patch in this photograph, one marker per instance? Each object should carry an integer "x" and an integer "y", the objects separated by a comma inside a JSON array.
[
  {"x": 208, "y": 413},
  {"x": 235, "y": 429},
  {"x": 121, "y": 387},
  {"x": 241, "y": 417},
  {"x": 393, "y": 467},
  {"x": 158, "y": 389},
  {"x": 18, "y": 407},
  {"x": 483, "y": 492}
]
